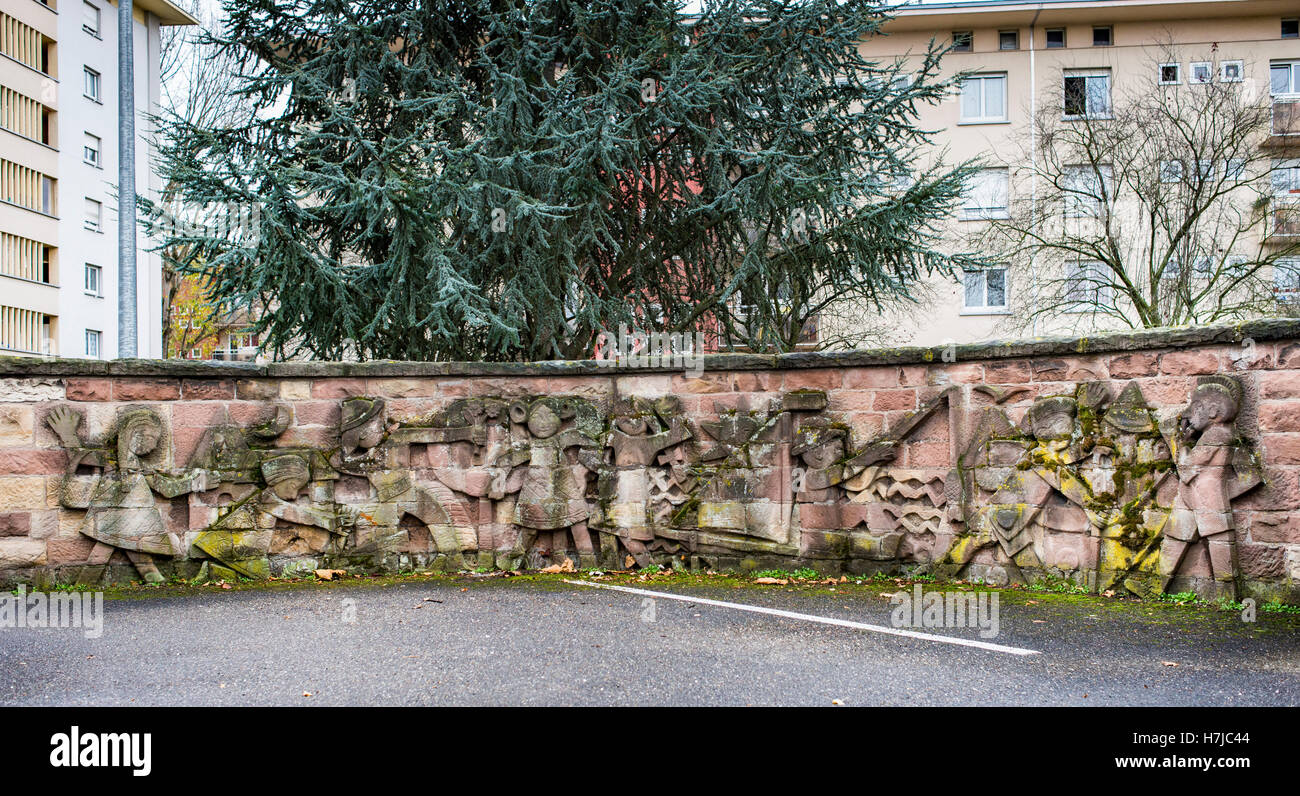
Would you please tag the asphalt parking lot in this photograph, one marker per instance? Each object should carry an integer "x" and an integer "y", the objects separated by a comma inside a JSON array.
[{"x": 460, "y": 641}]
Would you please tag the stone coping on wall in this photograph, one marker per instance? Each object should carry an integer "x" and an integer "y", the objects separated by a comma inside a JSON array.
[{"x": 1258, "y": 330}]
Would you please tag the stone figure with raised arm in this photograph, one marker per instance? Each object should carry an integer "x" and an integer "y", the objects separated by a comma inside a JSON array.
[{"x": 121, "y": 510}]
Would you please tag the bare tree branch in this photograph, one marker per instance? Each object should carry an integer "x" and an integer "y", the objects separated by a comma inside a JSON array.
[{"x": 1155, "y": 211}]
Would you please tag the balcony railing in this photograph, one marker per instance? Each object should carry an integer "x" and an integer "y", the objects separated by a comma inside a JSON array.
[
  {"x": 1286, "y": 114},
  {"x": 242, "y": 354}
]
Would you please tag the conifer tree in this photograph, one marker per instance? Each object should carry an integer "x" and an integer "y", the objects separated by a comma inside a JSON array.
[{"x": 504, "y": 179}]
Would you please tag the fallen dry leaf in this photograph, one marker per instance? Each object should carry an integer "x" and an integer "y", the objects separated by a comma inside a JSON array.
[
  {"x": 770, "y": 581},
  {"x": 1168, "y": 663},
  {"x": 328, "y": 574},
  {"x": 306, "y": 693},
  {"x": 1108, "y": 593},
  {"x": 628, "y": 562}
]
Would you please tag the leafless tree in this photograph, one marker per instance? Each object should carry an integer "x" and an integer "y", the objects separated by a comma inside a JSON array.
[
  {"x": 199, "y": 84},
  {"x": 1153, "y": 207},
  {"x": 844, "y": 325}
]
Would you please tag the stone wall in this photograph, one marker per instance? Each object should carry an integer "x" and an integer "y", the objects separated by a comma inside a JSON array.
[{"x": 1166, "y": 460}]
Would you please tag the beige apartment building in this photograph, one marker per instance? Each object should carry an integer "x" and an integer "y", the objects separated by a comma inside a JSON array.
[
  {"x": 1024, "y": 54},
  {"x": 58, "y": 174}
]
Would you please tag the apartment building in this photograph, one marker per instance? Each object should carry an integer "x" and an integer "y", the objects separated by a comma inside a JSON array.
[
  {"x": 58, "y": 175},
  {"x": 1027, "y": 53}
]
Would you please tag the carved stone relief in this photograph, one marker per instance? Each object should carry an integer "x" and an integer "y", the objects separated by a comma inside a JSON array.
[{"x": 1097, "y": 488}]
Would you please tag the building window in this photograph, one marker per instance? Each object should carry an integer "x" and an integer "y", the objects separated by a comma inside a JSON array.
[
  {"x": 896, "y": 83},
  {"x": 1231, "y": 71},
  {"x": 1286, "y": 177},
  {"x": 1203, "y": 267},
  {"x": 244, "y": 340},
  {"x": 47, "y": 195},
  {"x": 1086, "y": 189},
  {"x": 1291, "y": 28},
  {"x": 985, "y": 289},
  {"x": 1284, "y": 77},
  {"x": 1202, "y": 72},
  {"x": 94, "y": 215},
  {"x": 1087, "y": 94},
  {"x": 1173, "y": 271},
  {"x": 1009, "y": 40},
  {"x": 1170, "y": 74},
  {"x": 1086, "y": 285},
  {"x": 986, "y": 196},
  {"x": 1055, "y": 38},
  {"x": 963, "y": 41},
  {"x": 1286, "y": 278},
  {"x": 1171, "y": 171},
  {"x": 92, "y": 150},
  {"x": 93, "y": 339},
  {"x": 984, "y": 98},
  {"x": 91, "y": 88},
  {"x": 94, "y": 284},
  {"x": 1102, "y": 37},
  {"x": 90, "y": 18}
]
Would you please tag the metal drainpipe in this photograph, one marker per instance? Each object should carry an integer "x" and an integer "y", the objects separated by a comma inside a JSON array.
[
  {"x": 127, "y": 332},
  {"x": 1033, "y": 157}
]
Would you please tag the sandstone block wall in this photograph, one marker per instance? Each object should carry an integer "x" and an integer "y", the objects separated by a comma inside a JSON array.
[{"x": 1164, "y": 460}]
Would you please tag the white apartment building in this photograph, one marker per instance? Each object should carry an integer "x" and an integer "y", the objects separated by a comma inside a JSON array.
[
  {"x": 58, "y": 175},
  {"x": 1026, "y": 53}
]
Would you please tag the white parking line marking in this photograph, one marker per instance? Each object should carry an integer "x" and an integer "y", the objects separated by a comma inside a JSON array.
[{"x": 825, "y": 620}]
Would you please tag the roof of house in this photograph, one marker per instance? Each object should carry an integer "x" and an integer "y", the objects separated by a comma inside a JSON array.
[
  {"x": 166, "y": 12},
  {"x": 916, "y": 15}
]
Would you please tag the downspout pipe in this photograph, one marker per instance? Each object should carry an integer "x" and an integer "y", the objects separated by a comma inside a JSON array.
[
  {"x": 127, "y": 327},
  {"x": 1033, "y": 156}
]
